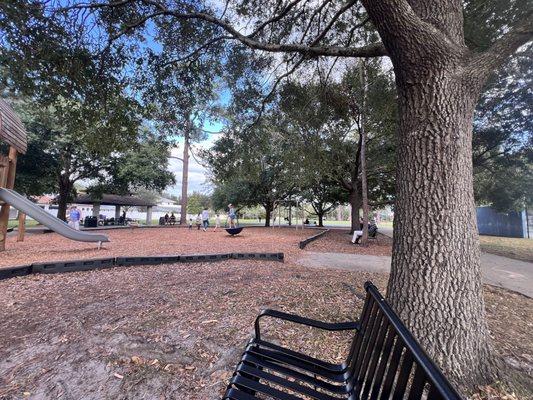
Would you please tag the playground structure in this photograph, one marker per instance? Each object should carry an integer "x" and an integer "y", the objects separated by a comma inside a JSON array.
[{"x": 13, "y": 133}]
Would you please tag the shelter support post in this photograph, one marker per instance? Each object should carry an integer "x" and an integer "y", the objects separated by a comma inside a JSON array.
[
  {"x": 149, "y": 215},
  {"x": 96, "y": 210},
  {"x": 22, "y": 227},
  {"x": 117, "y": 212}
]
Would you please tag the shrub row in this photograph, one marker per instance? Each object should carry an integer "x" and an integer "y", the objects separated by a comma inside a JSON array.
[{"x": 88, "y": 264}]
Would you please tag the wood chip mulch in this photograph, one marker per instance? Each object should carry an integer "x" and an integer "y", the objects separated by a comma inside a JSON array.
[
  {"x": 339, "y": 241},
  {"x": 177, "y": 331}
]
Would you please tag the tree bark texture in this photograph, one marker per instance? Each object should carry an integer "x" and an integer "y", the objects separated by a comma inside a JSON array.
[
  {"x": 185, "y": 176},
  {"x": 435, "y": 240},
  {"x": 435, "y": 283}
]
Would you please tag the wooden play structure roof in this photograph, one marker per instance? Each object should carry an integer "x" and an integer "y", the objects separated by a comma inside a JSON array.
[
  {"x": 113, "y": 200},
  {"x": 12, "y": 130}
]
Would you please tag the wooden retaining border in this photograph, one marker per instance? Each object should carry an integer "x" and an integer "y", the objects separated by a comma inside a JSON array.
[
  {"x": 310, "y": 239},
  {"x": 56, "y": 267}
]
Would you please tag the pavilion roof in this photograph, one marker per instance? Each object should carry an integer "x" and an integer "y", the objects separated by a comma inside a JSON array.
[{"x": 113, "y": 200}]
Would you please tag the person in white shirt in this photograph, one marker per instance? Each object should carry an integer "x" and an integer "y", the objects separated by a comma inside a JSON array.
[
  {"x": 217, "y": 222},
  {"x": 205, "y": 219}
]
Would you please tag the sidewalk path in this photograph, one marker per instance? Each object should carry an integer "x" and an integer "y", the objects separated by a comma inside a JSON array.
[{"x": 499, "y": 271}]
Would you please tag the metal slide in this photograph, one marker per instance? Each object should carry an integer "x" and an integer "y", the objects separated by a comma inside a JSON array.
[{"x": 32, "y": 210}]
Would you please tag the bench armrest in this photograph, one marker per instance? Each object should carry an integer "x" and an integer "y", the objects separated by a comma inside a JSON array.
[{"x": 328, "y": 326}]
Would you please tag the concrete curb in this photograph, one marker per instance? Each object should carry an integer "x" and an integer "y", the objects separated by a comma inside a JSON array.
[{"x": 305, "y": 242}]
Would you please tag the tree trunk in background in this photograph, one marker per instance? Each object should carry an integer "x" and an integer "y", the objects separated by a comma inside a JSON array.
[
  {"x": 362, "y": 129},
  {"x": 65, "y": 190},
  {"x": 355, "y": 205},
  {"x": 268, "y": 214},
  {"x": 185, "y": 175},
  {"x": 320, "y": 219}
]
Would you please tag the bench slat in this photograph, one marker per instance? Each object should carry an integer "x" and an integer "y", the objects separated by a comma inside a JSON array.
[{"x": 377, "y": 355}]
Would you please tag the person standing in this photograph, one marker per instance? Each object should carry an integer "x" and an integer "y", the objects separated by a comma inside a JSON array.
[
  {"x": 205, "y": 219},
  {"x": 198, "y": 221},
  {"x": 232, "y": 215},
  {"x": 217, "y": 222},
  {"x": 74, "y": 218}
]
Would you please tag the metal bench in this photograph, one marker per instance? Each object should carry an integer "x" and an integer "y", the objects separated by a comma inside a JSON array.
[{"x": 384, "y": 361}]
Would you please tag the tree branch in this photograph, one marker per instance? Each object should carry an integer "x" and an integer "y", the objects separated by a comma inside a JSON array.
[
  {"x": 371, "y": 50},
  {"x": 495, "y": 55}
]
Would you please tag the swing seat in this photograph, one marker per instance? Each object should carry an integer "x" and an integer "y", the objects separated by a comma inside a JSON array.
[{"x": 234, "y": 231}]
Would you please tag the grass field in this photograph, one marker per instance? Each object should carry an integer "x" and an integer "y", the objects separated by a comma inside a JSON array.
[
  {"x": 519, "y": 249},
  {"x": 14, "y": 223}
]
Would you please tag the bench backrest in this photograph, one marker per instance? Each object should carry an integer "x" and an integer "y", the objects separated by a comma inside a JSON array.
[{"x": 385, "y": 359}]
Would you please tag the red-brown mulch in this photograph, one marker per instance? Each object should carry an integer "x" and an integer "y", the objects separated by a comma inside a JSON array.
[
  {"x": 177, "y": 331},
  {"x": 166, "y": 241}
]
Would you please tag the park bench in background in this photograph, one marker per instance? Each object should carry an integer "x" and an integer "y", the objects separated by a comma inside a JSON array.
[{"x": 384, "y": 360}]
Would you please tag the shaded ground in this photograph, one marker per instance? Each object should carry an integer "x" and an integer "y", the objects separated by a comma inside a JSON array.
[
  {"x": 177, "y": 331},
  {"x": 156, "y": 332},
  {"x": 518, "y": 249},
  {"x": 339, "y": 241}
]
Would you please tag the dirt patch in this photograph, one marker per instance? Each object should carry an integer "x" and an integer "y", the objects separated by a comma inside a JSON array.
[{"x": 339, "y": 241}]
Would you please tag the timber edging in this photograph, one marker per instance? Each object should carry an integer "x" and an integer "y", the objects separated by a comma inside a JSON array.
[
  {"x": 55, "y": 267},
  {"x": 310, "y": 239}
]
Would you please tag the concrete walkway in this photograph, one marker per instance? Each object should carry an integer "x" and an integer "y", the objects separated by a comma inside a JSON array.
[{"x": 498, "y": 271}]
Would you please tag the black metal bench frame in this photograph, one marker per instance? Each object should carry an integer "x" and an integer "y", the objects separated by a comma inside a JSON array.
[{"x": 384, "y": 361}]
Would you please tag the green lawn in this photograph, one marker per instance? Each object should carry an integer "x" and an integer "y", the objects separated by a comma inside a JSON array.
[
  {"x": 519, "y": 249},
  {"x": 14, "y": 223}
]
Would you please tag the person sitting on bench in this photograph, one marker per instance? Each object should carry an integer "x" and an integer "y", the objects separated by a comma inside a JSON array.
[{"x": 372, "y": 230}]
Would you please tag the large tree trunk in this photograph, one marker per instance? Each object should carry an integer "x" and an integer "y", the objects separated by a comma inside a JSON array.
[
  {"x": 185, "y": 177},
  {"x": 435, "y": 240},
  {"x": 435, "y": 283}
]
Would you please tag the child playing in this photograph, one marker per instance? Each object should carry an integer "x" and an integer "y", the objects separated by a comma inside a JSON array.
[
  {"x": 217, "y": 222},
  {"x": 198, "y": 221}
]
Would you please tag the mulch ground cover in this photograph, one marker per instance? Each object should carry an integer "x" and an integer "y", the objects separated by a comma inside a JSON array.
[
  {"x": 166, "y": 241},
  {"x": 339, "y": 241},
  {"x": 177, "y": 331},
  {"x": 153, "y": 241}
]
